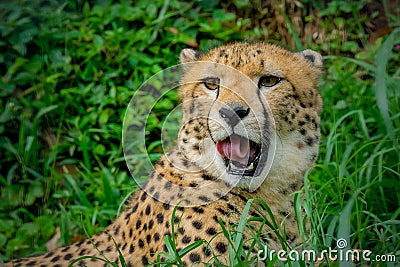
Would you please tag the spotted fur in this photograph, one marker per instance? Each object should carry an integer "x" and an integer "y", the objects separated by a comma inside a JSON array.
[{"x": 290, "y": 114}]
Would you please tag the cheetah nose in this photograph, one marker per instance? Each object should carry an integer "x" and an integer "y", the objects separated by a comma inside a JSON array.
[{"x": 233, "y": 116}]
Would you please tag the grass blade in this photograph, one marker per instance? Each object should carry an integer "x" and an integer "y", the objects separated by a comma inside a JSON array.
[
  {"x": 81, "y": 195},
  {"x": 292, "y": 30},
  {"x": 242, "y": 224},
  {"x": 381, "y": 60}
]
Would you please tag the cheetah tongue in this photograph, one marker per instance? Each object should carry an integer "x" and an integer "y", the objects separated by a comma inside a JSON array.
[{"x": 236, "y": 148}]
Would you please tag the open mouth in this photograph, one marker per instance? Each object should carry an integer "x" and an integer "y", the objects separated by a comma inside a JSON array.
[{"x": 241, "y": 155}]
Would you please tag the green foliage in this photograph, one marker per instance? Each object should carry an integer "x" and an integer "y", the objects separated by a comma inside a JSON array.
[
  {"x": 343, "y": 23},
  {"x": 356, "y": 184}
]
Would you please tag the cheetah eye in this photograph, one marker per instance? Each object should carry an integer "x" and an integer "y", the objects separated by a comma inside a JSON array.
[
  {"x": 211, "y": 83},
  {"x": 268, "y": 81}
]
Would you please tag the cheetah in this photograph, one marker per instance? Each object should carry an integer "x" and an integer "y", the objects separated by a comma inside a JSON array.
[{"x": 250, "y": 129}]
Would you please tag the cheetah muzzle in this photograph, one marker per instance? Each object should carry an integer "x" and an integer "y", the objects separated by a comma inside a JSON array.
[{"x": 240, "y": 154}]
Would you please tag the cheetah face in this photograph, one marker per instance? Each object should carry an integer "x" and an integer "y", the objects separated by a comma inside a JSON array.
[
  {"x": 249, "y": 111},
  {"x": 229, "y": 126},
  {"x": 242, "y": 149},
  {"x": 240, "y": 124}
]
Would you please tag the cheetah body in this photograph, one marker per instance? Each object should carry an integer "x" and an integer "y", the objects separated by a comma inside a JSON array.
[{"x": 282, "y": 119}]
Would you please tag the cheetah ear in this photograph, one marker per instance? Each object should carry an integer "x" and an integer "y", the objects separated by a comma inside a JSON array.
[
  {"x": 188, "y": 55},
  {"x": 313, "y": 57}
]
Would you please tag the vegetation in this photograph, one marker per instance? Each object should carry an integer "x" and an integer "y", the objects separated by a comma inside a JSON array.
[{"x": 69, "y": 69}]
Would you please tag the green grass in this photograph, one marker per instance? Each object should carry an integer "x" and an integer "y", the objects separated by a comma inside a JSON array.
[
  {"x": 69, "y": 69},
  {"x": 355, "y": 187}
]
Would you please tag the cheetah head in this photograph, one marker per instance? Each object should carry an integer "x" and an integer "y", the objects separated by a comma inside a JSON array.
[{"x": 251, "y": 111}]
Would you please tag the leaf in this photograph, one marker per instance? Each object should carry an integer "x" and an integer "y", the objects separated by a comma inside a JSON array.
[
  {"x": 80, "y": 194},
  {"x": 169, "y": 244},
  {"x": 7, "y": 225},
  {"x": 18, "y": 63},
  {"x": 34, "y": 191},
  {"x": 105, "y": 115},
  {"x": 3, "y": 240},
  {"x": 99, "y": 149},
  {"x": 241, "y": 3},
  {"x": 340, "y": 22},
  {"x": 381, "y": 60},
  {"x": 350, "y": 46},
  {"x": 292, "y": 30},
  {"x": 98, "y": 43},
  {"x": 190, "y": 247},
  {"x": 46, "y": 225},
  {"x": 108, "y": 182},
  {"x": 27, "y": 230},
  {"x": 242, "y": 224},
  {"x": 221, "y": 16},
  {"x": 23, "y": 78}
]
